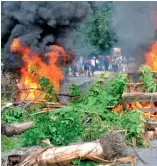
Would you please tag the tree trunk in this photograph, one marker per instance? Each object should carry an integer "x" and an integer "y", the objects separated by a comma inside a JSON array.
[
  {"x": 107, "y": 147},
  {"x": 14, "y": 129}
]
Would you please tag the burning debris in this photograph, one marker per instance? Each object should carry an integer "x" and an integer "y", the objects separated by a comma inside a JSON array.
[
  {"x": 39, "y": 25},
  {"x": 135, "y": 25},
  {"x": 151, "y": 57},
  {"x": 35, "y": 38},
  {"x": 141, "y": 96},
  {"x": 33, "y": 67}
]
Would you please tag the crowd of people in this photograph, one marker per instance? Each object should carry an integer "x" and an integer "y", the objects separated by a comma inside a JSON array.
[
  {"x": 84, "y": 67},
  {"x": 87, "y": 66}
]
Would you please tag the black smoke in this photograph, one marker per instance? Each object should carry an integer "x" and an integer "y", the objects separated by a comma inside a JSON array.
[
  {"x": 135, "y": 27},
  {"x": 39, "y": 24}
]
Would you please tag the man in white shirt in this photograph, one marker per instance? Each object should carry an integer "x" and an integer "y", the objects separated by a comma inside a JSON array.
[
  {"x": 93, "y": 65},
  {"x": 93, "y": 62}
]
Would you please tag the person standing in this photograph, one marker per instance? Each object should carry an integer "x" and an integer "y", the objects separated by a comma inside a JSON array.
[
  {"x": 74, "y": 68},
  {"x": 107, "y": 62},
  {"x": 66, "y": 73},
  {"x": 80, "y": 66},
  {"x": 86, "y": 67},
  {"x": 93, "y": 66},
  {"x": 115, "y": 66},
  {"x": 97, "y": 64}
]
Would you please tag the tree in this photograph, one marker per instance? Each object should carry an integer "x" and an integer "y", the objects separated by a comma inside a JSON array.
[
  {"x": 81, "y": 47},
  {"x": 99, "y": 32}
]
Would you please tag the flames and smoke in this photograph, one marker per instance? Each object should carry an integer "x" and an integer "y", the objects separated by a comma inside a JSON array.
[
  {"x": 34, "y": 68},
  {"x": 151, "y": 57},
  {"x": 135, "y": 24},
  {"x": 39, "y": 25},
  {"x": 37, "y": 39}
]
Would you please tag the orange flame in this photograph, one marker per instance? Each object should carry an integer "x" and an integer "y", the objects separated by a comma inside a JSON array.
[
  {"x": 33, "y": 68},
  {"x": 137, "y": 106},
  {"x": 151, "y": 57}
]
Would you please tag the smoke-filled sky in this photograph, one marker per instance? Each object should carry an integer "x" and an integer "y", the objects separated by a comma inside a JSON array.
[
  {"x": 135, "y": 27},
  {"x": 39, "y": 24}
]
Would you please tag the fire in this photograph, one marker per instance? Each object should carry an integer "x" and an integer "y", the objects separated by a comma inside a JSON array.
[
  {"x": 151, "y": 57},
  {"x": 34, "y": 67},
  {"x": 151, "y": 61},
  {"x": 137, "y": 106},
  {"x": 118, "y": 108}
]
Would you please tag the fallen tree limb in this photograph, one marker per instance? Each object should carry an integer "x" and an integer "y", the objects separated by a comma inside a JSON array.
[
  {"x": 151, "y": 123},
  {"x": 123, "y": 160},
  {"x": 37, "y": 89},
  {"x": 107, "y": 147},
  {"x": 41, "y": 112},
  {"x": 29, "y": 103},
  {"x": 57, "y": 106},
  {"x": 136, "y": 95},
  {"x": 135, "y": 84},
  {"x": 134, "y": 146},
  {"x": 14, "y": 129},
  {"x": 139, "y": 97},
  {"x": 53, "y": 106},
  {"x": 7, "y": 105}
]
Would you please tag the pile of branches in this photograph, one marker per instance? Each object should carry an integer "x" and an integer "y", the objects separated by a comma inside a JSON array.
[{"x": 85, "y": 119}]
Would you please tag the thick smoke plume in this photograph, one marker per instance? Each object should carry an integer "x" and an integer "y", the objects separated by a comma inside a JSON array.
[
  {"x": 135, "y": 26},
  {"x": 39, "y": 24}
]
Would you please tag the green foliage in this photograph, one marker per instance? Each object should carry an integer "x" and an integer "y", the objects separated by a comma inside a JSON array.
[
  {"x": 32, "y": 70},
  {"x": 46, "y": 85},
  {"x": 104, "y": 76},
  {"x": 48, "y": 88},
  {"x": 94, "y": 128},
  {"x": 83, "y": 163},
  {"x": 10, "y": 143},
  {"x": 147, "y": 78},
  {"x": 75, "y": 90},
  {"x": 134, "y": 123},
  {"x": 90, "y": 97},
  {"x": 117, "y": 86},
  {"x": 96, "y": 120},
  {"x": 61, "y": 128},
  {"x": 92, "y": 106},
  {"x": 76, "y": 93},
  {"x": 33, "y": 108},
  {"x": 101, "y": 119},
  {"x": 99, "y": 32},
  {"x": 88, "y": 119},
  {"x": 100, "y": 96},
  {"x": 12, "y": 115},
  {"x": 18, "y": 114}
]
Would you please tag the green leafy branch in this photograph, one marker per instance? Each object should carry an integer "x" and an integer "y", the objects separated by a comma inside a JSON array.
[
  {"x": 48, "y": 88},
  {"x": 147, "y": 78}
]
